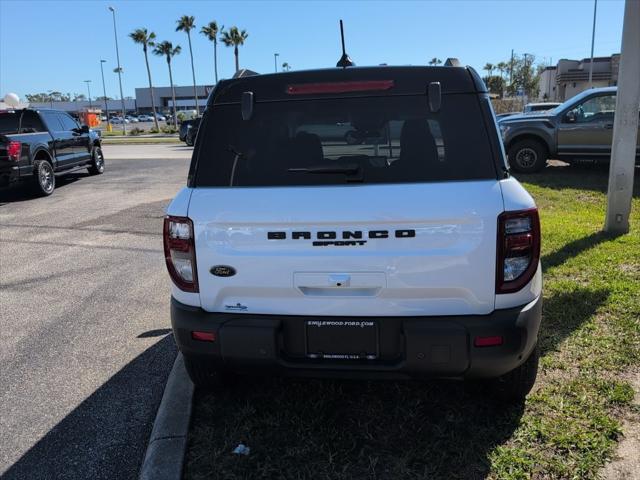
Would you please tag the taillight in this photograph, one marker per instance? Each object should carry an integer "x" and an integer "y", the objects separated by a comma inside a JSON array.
[
  {"x": 180, "y": 252},
  {"x": 518, "y": 249},
  {"x": 13, "y": 150},
  {"x": 339, "y": 87}
]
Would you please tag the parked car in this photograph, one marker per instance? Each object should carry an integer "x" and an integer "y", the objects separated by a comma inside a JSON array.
[
  {"x": 192, "y": 133},
  {"x": 160, "y": 118},
  {"x": 580, "y": 128},
  {"x": 540, "y": 107},
  {"x": 500, "y": 116},
  {"x": 37, "y": 145},
  {"x": 132, "y": 119},
  {"x": 119, "y": 120},
  {"x": 411, "y": 255},
  {"x": 185, "y": 126},
  {"x": 145, "y": 118}
]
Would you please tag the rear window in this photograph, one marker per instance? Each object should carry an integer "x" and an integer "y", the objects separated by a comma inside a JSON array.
[
  {"x": 10, "y": 122},
  {"x": 338, "y": 141}
]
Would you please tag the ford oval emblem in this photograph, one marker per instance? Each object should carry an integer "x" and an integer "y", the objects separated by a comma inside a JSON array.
[{"x": 223, "y": 271}]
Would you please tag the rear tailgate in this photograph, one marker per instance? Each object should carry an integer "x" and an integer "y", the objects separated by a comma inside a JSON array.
[{"x": 424, "y": 249}]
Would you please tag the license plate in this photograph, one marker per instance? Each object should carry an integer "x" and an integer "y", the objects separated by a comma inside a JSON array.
[{"x": 342, "y": 339}]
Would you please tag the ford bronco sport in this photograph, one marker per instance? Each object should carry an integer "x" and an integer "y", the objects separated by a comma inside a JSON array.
[{"x": 411, "y": 253}]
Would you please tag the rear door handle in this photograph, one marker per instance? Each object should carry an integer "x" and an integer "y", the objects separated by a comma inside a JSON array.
[{"x": 608, "y": 126}]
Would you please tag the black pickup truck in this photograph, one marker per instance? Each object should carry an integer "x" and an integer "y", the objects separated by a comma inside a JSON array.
[{"x": 37, "y": 145}]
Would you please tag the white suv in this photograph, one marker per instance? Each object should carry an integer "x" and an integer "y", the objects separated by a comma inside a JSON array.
[{"x": 411, "y": 253}]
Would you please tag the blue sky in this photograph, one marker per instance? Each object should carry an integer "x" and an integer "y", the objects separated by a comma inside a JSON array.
[{"x": 55, "y": 45}]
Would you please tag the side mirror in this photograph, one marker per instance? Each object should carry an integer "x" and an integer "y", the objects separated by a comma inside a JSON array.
[
  {"x": 84, "y": 129},
  {"x": 570, "y": 116}
]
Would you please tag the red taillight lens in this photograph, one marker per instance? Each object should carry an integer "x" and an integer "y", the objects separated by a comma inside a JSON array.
[
  {"x": 180, "y": 252},
  {"x": 488, "y": 341},
  {"x": 13, "y": 151},
  {"x": 339, "y": 87},
  {"x": 203, "y": 336},
  {"x": 518, "y": 249}
]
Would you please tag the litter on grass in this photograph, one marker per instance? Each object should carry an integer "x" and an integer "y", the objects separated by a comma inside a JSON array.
[{"x": 241, "y": 449}]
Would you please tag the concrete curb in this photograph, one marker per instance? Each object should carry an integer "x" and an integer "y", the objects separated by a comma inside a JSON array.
[{"x": 164, "y": 458}]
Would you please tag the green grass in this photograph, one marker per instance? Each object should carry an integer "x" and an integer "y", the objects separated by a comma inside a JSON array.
[{"x": 568, "y": 427}]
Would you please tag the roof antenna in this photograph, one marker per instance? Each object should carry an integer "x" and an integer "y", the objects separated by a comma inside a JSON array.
[{"x": 344, "y": 61}]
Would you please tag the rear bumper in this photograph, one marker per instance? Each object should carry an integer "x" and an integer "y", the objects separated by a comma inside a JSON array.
[
  {"x": 9, "y": 173},
  {"x": 427, "y": 347}
]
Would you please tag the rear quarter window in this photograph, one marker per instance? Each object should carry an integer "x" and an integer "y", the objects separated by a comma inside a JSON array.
[
  {"x": 300, "y": 142},
  {"x": 28, "y": 122}
]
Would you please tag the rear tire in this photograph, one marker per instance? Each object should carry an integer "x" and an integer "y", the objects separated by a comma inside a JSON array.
[
  {"x": 44, "y": 178},
  {"x": 97, "y": 162},
  {"x": 204, "y": 376},
  {"x": 514, "y": 386},
  {"x": 528, "y": 156}
]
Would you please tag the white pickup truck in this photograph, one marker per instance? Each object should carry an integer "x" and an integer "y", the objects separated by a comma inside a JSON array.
[{"x": 411, "y": 253}]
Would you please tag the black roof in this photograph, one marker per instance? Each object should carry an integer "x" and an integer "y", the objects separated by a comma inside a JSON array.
[{"x": 407, "y": 81}]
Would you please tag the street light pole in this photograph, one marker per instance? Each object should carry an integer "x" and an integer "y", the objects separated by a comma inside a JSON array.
[
  {"x": 115, "y": 34},
  {"x": 593, "y": 38},
  {"x": 89, "y": 92},
  {"x": 104, "y": 92},
  {"x": 275, "y": 61}
]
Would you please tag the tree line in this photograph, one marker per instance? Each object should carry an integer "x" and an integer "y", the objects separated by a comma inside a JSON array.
[
  {"x": 514, "y": 76},
  {"x": 518, "y": 75}
]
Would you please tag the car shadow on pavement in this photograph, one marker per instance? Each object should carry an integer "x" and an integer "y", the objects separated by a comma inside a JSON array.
[
  {"x": 105, "y": 437},
  {"x": 342, "y": 429},
  {"x": 23, "y": 191}
]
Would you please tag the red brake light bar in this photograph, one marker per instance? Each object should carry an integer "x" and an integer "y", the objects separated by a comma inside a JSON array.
[{"x": 339, "y": 87}]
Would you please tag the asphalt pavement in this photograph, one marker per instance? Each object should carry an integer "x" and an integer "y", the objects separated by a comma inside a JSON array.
[{"x": 85, "y": 343}]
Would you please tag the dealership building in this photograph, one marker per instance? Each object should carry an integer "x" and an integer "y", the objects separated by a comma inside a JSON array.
[
  {"x": 141, "y": 104},
  {"x": 185, "y": 99}
]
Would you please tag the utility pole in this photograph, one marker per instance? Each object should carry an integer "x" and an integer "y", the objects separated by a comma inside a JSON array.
[
  {"x": 625, "y": 124},
  {"x": 593, "y": 38},
  {"x": 89, "y": 92},
  {"x": 275, "y": 61},
  {"x": 104, "y": 93},
  {"x": 115, "y": 34},
  {"x": 511, "y": 69},
  {"x": 526, "y": 75}
]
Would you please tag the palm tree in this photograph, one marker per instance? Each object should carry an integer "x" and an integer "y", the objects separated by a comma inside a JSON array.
[
  {"x": 502, "y": 68},
  {"x": 211, "y": 32},
  {"x": 435, "y": 61},
  {"x": 489, "y": 68},
  {"x": 234, "y": 38},
  {"x": 167, "y": 49},
  {"x": 144, "y": 38},
  {"x": 286, "y": 67},
  {"x": 186, "y": 23}
]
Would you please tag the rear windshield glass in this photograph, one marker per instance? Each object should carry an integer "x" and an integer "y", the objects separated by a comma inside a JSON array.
[
  {"x": 338, "y": 141},
  {"x": 10, "y": 120}
]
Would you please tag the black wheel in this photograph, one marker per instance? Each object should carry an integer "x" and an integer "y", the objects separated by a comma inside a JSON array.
[
  {"x": 515, "y": 385},
  {"x": 527, "y": 156},
  {"x": 97, "y": 162},
  {"x": 204, "y": 376},
  {"x": 45, "y": 180}
]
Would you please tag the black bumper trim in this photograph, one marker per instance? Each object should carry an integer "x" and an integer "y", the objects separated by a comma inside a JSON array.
[{"x": 434, "y": 346}]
